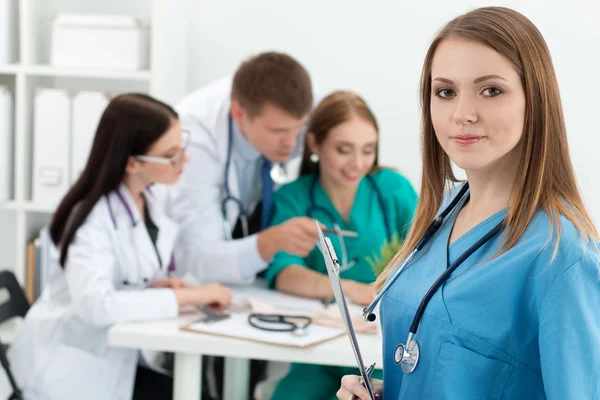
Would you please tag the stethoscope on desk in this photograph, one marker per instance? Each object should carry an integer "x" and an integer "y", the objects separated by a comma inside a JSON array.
[
  {"x": 278, "y": 175},
  {"x": 313, "y": 207},
  {"x": 407, "y": 355},
  {"x": 145, "y": 281},
  {"x": 296, "y": 324}
]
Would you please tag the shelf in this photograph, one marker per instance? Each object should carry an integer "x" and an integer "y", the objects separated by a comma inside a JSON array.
[
  {"x": 102, "y": 73},
  {"x": 9, "y": 68},
  {"x": 9, "y": 205},
  {"x": 29, "y": 206}
]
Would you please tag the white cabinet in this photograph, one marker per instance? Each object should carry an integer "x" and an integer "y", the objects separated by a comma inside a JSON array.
[{"x": 27, "y": 70}]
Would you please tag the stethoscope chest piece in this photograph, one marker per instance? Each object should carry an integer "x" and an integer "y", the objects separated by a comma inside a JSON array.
[
  {"x": 407, "y": 356},
  {"x": 300, "y": 331}
]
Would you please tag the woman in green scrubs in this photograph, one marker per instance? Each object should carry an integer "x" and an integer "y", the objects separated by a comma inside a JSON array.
[{"x": 342, "y": 186}]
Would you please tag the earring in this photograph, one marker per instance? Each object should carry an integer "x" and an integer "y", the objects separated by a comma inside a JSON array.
[{"x": 314, "y": 158}]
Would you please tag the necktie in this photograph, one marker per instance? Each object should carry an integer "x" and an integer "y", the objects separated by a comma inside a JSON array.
[{"x": 267, "y": 193}]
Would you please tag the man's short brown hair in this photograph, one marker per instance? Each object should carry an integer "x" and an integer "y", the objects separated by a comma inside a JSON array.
[{"x": 273, "y": 78}]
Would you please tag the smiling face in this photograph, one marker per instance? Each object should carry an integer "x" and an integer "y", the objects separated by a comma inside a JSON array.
[
  {"x": 477, "y": 105},
  {"x": 347, "y": 154}
]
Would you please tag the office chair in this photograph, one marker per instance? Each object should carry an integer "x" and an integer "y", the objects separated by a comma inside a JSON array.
[{"x": 16, "y": 306}]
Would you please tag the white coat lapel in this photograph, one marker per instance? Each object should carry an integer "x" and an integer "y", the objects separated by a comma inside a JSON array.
[
  {"x": 232, "y": 208},
  {"x": 134, "y": 238}
]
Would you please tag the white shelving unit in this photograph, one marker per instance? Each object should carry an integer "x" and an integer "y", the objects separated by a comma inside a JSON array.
[{"x": 20, "y": 217}]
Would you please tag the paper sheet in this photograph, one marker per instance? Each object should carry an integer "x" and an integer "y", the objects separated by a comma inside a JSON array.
[{"x": 281, "y": 300}]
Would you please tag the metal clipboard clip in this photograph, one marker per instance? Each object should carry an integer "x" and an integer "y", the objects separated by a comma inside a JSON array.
[{"x": 333, "y": 267}]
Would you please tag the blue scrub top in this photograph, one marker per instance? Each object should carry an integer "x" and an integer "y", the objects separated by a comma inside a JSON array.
[{"x": 515, "y": 327}]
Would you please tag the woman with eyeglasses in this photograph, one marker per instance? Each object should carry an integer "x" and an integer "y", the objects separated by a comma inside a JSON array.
[{"x": 112, "y": 264}]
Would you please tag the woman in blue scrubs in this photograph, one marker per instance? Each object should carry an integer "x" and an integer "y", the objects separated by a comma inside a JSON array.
[
  {"x": 519, "y": 318},
  {"x": 341, "y": 186}
]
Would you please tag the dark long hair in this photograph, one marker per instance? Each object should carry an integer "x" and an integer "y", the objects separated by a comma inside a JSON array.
[
  {"x": 129, "y": 126},
  {"x": 335, "y": 109}
]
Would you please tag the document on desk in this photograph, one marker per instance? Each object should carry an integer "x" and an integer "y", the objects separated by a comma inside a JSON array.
[
  {"x": 279, "y": 300},
  {"x": 237, "y": 327},
  {"x": 332, "y": 264}
]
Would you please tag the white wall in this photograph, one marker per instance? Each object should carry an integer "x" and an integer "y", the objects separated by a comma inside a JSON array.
[{"x": 376, "y": 48}]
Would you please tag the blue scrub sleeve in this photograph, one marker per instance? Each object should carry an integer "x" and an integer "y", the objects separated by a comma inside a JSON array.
[
  {"x": 569, "y": 336},
  {"x": 285, "y": 208}
]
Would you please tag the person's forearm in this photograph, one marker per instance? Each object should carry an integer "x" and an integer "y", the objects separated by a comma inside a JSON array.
[
  {"x": 268, "y": 243},
  {"x": 303, "y": 282}
]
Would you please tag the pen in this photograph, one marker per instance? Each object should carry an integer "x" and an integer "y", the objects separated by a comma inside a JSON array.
[
  {"x": 327, "y": 301},
  {"x": 341, "y": 232}
]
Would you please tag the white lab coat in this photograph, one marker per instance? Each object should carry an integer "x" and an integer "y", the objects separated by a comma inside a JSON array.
[
  {"x": 61, "y": 352},
  {"x": 195, "y": 203}
]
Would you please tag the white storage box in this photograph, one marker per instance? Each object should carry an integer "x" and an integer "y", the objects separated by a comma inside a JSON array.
[
  {"x": 6, "y": 143},
  {"x": 8, "y": 31},
  {"x": 100, "y": 41}
]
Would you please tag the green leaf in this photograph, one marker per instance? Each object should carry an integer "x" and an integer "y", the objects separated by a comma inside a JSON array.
[{"x": 386, "y": 252}]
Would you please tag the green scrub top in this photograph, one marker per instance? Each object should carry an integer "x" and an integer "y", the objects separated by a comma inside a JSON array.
[{"x": 366, "y": 218}]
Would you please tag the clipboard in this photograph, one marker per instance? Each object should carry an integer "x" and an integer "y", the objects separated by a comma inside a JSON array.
[
  {"x": 236, "y": 327},
  {"x": 333, "y": 266}
]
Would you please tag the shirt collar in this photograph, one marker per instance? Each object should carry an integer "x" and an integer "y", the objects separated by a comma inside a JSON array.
[{"x": 242, "y": 146}]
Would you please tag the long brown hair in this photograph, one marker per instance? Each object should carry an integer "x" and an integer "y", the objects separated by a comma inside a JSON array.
[
  {"x": 335, "y": 109},
  {"x": 546, "y": 180}
]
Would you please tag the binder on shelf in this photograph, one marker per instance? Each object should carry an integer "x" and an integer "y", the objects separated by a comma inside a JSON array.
[
  {"x": 8, "y": 31},
  {"x": 6, "y": 144},
  {"x": 52, "y": 126},
  {"x": 38, "y": 264},
  {"x": 30, "y": 272},
  {"x": 88, "y": 107}
]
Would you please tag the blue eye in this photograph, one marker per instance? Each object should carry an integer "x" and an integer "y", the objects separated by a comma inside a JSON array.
[
  {"x": 445, "y": 93},
  {"x": 493, "y": 92}
]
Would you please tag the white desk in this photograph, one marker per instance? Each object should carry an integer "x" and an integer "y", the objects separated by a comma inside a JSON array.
[{"x": 189, "y": 347}]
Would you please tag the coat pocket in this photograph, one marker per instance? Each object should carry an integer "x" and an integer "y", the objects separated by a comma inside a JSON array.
[{"x": 463, "y": 374}]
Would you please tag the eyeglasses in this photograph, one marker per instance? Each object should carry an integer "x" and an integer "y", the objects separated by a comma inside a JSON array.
[{"x": 176, "y": 160}]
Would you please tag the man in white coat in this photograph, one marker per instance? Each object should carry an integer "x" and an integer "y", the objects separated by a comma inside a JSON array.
[{"x": 243, "y": 131}]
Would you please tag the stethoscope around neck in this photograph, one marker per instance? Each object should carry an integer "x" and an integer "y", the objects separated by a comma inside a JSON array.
[
  {"x": 407, "y": 355},
  {"x": 314, "y": 207},
  {"x": 145, "y": 281},
  {"x": 278, "y": 175}
]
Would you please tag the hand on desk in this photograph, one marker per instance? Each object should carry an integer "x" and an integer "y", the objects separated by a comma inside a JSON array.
[
  {"x": 214, "y": 295},
  {"x": 360, "y": 293},
  {"x": 173, "y": 283},
  {"x": 351, "y": 386}
]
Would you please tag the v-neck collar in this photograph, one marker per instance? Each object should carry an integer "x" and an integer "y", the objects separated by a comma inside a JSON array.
[
  {"x": 321, "y": 193},
  {"x": 465, "y": 240}
]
